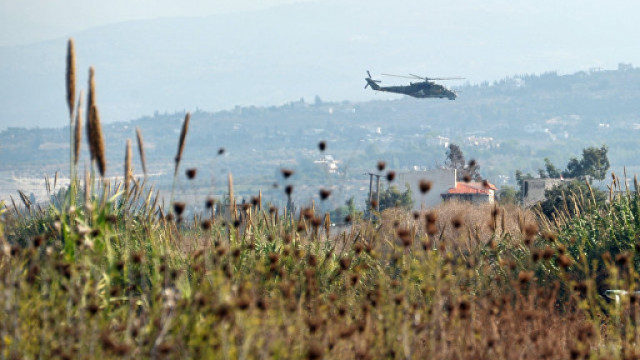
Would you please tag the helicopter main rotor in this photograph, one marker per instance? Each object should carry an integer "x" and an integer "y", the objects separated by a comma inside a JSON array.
[{"x": 423, "y": 78}]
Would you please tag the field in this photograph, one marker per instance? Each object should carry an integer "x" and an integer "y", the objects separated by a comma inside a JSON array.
[{"x": 109, "y": 270}]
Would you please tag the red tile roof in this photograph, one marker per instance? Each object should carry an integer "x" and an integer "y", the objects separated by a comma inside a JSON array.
[{"x": 472, "y": 188}]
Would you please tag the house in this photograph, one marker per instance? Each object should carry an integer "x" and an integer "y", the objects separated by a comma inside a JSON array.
[
  {"x": 441, "y": 181},
  {"x": 473, "y": 192}
]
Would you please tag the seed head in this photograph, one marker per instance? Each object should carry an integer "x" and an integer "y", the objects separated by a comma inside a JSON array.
[
  {"x": 181, "y": 142},
  {"x": 431, "y": 217},
  {"x": 322, "y": 145},
  {"x": 391, "y": 175},
  {"x": 345, "y": 262},
  {"x": 324, "y": 194},
  {"x": 315, "y": 351},
  {"x": 374, "y": 203},
  {"x": 77, "y": 138},
  {"x": 91, "y": 101},
  {"x": 143, "y": 159},
  {"x": 286, "y": 173},
  {"x": 425, "y": 186},
  {"x": 457, "y": 221},
  {"x": 288, "y": 190},
  {"x": 206, "y": 224},
  {"x": 405, "y": 237},
  {"x": 71, "y": 75},
  {"x": 525, "y": 276},
  {"x": 96, "y": 140},
  {"x": 381, "y": 165},
  {"x": 179, "y": 207},
  {"x": 191, "y": 173}
]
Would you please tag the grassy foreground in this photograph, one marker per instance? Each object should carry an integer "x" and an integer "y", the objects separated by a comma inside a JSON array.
[{"x": 112, "y": 279}]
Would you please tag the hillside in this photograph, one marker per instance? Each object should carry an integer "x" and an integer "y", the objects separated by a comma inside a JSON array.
[{"x": 511, "y": 124}]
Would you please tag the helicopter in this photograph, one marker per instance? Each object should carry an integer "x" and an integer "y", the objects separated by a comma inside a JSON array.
[{"x": 425, "y": 88}]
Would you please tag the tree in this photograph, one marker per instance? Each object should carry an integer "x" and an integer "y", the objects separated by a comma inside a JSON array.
[
  {"x": 552, "y": 171},
  {"x": 594, "y": 163},
  {"x": 339, "y": 214},
  {"x": 508, "y": 195},
  {"x": 392, "y": 197},
  {"x": 455, "y": 160}
]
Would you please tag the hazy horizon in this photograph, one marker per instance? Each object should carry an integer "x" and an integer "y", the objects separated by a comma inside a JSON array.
[{"x": 272, "y": 52}]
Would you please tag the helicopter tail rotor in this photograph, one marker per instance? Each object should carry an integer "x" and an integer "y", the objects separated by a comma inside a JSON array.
[{"x": 370, "y": 82}]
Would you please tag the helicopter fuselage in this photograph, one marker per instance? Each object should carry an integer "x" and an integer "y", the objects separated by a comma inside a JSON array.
[{"x": 424, "y": 89}]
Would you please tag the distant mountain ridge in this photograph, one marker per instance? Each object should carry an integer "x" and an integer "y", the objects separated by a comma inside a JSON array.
[{"x": 274, "y": 56}]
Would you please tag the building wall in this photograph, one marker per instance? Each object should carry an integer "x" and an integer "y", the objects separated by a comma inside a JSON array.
[
  {"x": 442, "y": 180},
  {"x": 533, "y": 189},
  {"x": 472, "y": 198}
]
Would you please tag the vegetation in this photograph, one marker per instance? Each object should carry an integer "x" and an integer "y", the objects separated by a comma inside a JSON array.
[
  {"x": 455, "y": 160},
  {"x": 107, "y": 271},
  {"x": 392, "y": 198}
]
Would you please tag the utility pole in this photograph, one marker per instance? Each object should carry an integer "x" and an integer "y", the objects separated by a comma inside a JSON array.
[{"x": 371, "y": 175}]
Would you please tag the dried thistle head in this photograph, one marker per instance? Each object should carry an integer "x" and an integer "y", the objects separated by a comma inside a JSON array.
[
  {"x": 457, "y": 221},
  {"x": 381, "y": 165},
  {"x": 181, "y": 142},
  {"x": 71, "y": 75},
  {"x": 405, "y": 236},
  {"x": 425, "y": 186},
  {"x": 288, "y": 190},
  {"x": 286, "y": 173},
  {"x": 345, "y": 263},
  {"x": 391, "y": 175},
  {"x": 525, "y": 276},
  {"x": 179, "y": 207},
  {"x": 324, "y": 194},
  {"x": 191, "y": 173}
]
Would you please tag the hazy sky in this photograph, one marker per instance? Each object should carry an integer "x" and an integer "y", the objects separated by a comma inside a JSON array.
[
  {"x": 321, "y": 47},
  {"x": 26, "y": 21}
]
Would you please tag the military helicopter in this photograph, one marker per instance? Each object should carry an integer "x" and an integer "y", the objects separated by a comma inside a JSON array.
[{"x": 423, "y": 89}]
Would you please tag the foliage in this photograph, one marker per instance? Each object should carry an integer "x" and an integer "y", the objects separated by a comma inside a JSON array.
[
  {"x": 594, "y": 163},
  {"x": 563, "y": 198},
  {"x": 392, "y": 197},
  {"x": 455, "y": 160},
  {"x": 346, "y": 212},
  {"x": 551, "y": 170},
  {"x": 508, "y": 195}
]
